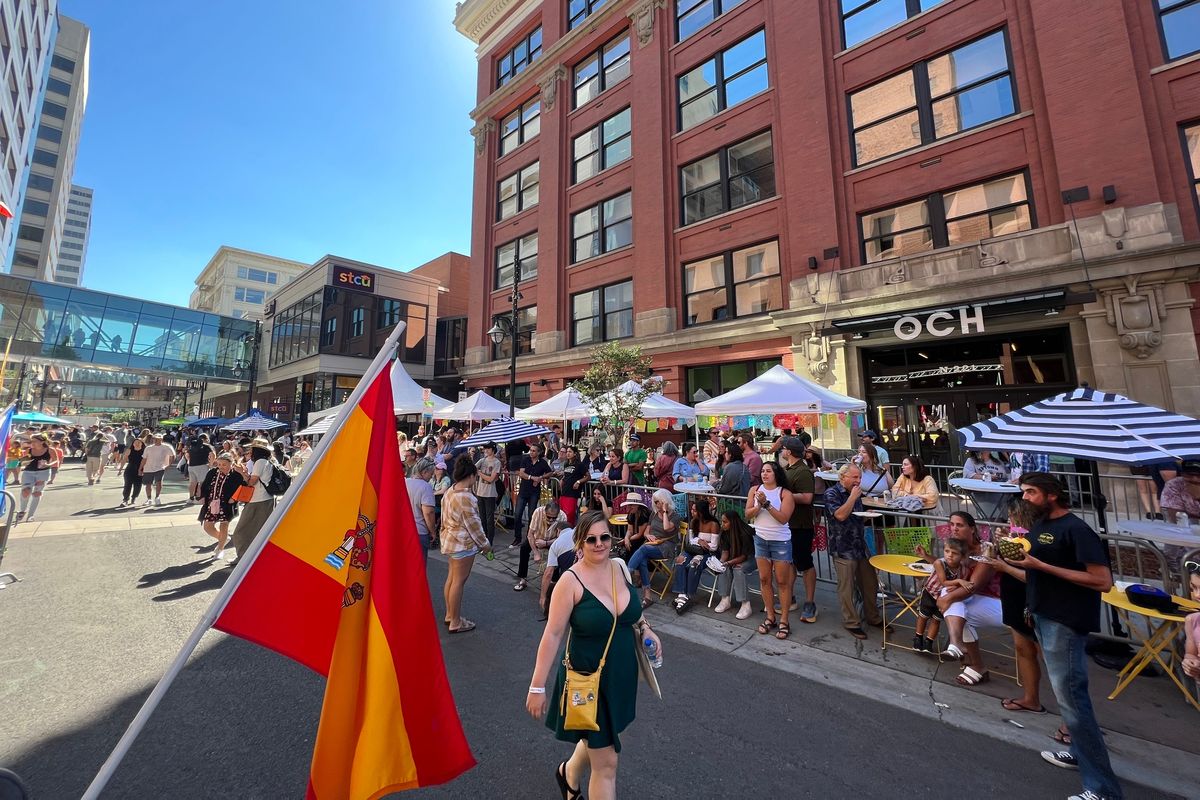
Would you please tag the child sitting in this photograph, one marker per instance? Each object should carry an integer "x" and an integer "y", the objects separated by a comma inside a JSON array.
[
  {"x": 947, "y": 571},
  {"x": 1191, "y": 627}
]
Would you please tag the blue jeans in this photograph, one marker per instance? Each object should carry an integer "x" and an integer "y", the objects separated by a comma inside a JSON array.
[
  {"x": 645, "y": 553},
  {"x": 1066, "y": 664},
  {"x": 687, "y": 577}
]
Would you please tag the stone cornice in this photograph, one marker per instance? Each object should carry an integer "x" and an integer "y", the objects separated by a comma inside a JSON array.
[
  {"x": 550, "y": 59},
  {"x": 473, "y": 18}
]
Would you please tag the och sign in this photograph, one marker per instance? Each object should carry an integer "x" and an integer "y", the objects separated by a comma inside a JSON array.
[
  {"x": 941, "y": 323},
  {"x": 354, "y": 279}
]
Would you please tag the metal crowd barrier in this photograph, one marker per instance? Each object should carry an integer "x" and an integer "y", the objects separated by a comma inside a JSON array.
[{"x": 8, "y": 508}]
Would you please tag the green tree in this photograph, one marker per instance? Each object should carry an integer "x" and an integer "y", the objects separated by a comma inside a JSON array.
[{"x": 616, "y": 384}]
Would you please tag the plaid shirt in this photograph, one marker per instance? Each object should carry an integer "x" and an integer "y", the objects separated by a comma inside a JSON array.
[
  {"x": 1035, "y": 462},
  {"x": 847, "y": 538},
  {"x": 461, "y": 528}
]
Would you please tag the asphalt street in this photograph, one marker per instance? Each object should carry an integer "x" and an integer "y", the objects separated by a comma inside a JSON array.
[{"x": 98, "y": 616}]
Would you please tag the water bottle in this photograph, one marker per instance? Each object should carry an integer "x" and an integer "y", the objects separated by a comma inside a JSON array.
[
  {"x": 490, "y": 555},
  {"x": 652, "y": 653}
]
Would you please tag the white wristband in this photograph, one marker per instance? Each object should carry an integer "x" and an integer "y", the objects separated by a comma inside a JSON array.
[{"x": 537, "y": 689}]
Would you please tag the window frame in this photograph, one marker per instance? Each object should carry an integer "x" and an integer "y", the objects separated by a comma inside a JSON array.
[
  {"x": 719, "y": 10},
  {"x": 519, "y": 191},
  {"x": 722, "y": 80},
  {"x": 936, "y": 209},
  {"x": 519, "y": 261},
  {"x": 531, "y": 54},
  {"x": 601, "y": 76},
  {"x": 602, "y": 146},
  {"x": 730, "y": 285},
  {"x": 602, "y": 315},
  {"x": 912, "y": 9},
  {"x": 724, "y": 180},
  {"x": 924, "y": 100},
  {"x": 522, "y": 123},
  {"x": 524, "y": 335},
  {"x": 601, "y": 228},
  {"x": 590, "y": 7},
  {"x": 1159, "y": 13},
  {"x": 1192, "y": 174},
  {"x": 358, "y": 322}
]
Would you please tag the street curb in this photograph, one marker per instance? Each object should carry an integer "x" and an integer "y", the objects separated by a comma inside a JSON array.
[{"x": 1155, "y": 766}]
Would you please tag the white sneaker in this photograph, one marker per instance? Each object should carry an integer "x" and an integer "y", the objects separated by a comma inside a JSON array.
[
  {"x": 723, "y": 606},
  {"x": 148, "y": 503},
  {"x": 745, "y": 611},
  {"x": 715, "y": 564},
  {"x": 158, "y": 501},
  {"x": 697, "y": 561}
]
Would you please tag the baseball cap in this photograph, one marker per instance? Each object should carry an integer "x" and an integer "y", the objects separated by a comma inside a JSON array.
[
  {"x": 635, "y": 438},
  {"x": 793, "y": 444},
  {"x": 872, "y": 435}
]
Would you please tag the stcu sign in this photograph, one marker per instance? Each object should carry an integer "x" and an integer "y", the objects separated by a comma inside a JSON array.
[
  {"x": 941, "y": 323},
  {"x": 347, "y": 278}
]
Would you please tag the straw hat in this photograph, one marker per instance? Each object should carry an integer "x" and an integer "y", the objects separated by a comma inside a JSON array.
[
  {"x": 634, "y": 500},
  {"x": 259, "y": 441}
]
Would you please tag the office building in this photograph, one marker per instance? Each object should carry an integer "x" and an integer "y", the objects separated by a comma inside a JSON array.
[
  {"x": 77, "y": 230},
  {"x": 238, "y": 283},
  {"x": 43, "y": 214},
  {"x": 27, "y": 33},
  {"x": 934, "y": 206}
]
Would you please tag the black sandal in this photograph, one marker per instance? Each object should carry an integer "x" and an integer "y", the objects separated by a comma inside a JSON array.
[
  {"x": 564, "y": 788},
  {"x": 766, "y": 626},
  {"x": 784, "y": 631}
]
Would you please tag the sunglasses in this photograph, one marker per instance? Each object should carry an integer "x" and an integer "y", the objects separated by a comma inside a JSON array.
[
  {"x": 1192, "y": 567},
  {"x": 603, "y": 538}
]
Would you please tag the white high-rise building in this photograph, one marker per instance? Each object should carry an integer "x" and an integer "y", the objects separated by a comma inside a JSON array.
[
  {"x": 77, "y": 229},
  {"x": 44, "y": 209},
  {"x": 27, "y": 34},
  {"x": 239, "y": 283}
]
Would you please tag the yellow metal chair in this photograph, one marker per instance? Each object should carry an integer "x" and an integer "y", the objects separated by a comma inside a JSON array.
[{"x": 667, "y": 565}]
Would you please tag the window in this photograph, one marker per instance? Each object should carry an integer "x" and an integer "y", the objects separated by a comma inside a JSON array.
[
  {"x": 73, "y": 223},
  {"x": 44, "y": 158},
  {"x": 520, "y": 396},
  {"x": 72, "y": 246},
  {"x": 862, "y": 19},
  {"x": 31, "y": 233},
  {"x": 257, "y": 275},
  {"x": 709, "y": 381},
  {"x": 732, "y": 177},
  {"x": 602, "y": 228},
  {"x": 73, "y": 234},
  {"x": 329, "y": 332},
  {"x": 518, "y": 257},
  {"x": 1180, "y": 27},
  {"x": 514, "y": 62},
  {"x": 599, "y": 315},
  {"x": 54, "y": 110},
  {"x": 602, "y": 70},
  {"x": 60, "y": 87},
  {"x": 450, "y": 345},
  {"x": 949, "y": 94},
  {"x": 604, "y": 146},
  {"x": 294, "y": 331},
  {"x": 959, "y": 216},
  {"x": 517, "y": 192},
  {"x": 692, "y": 15},
  {"x": 389, "y": 313},
  {"x": 526, "y": 325},
  {"x": 579, "y": 10},
  {"x": 245, "y": 295},
  {"x": 520, "y": 126},
  {"x": 43, "y": 182},
  {"x": 737, "y": 283},
  {"x": 48, "y": 133},
  {"x": 728, "y": 78},
  {"x": 1191, "y": 142},
  {"x": 358, "y": 321},
  {"x": 65, "y": 64},
  {"x": 36, "y": 207}
]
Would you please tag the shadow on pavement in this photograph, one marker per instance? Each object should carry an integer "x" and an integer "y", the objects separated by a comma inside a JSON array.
[
  {"x": 174, "y": 573},
  {"x": 209, "y": 583}
]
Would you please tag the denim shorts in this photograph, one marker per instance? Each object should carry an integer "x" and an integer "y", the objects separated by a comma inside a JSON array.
[
  {"x": 772, "y": 551},
  {"x": 471, "y": 551}
]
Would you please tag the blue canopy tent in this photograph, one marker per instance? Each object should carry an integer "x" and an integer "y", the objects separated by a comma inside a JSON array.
[
  {"x": 38, "y": 418},
  {"x": 209, "y": 422}
]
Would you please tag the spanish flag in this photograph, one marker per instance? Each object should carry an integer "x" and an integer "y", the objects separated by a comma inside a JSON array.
[{"x": 340, "y": 586}]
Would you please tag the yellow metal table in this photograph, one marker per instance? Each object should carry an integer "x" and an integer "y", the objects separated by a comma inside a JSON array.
[
  {"x": 894, "y": 564},
  {"x": 1162, "y": 630}
]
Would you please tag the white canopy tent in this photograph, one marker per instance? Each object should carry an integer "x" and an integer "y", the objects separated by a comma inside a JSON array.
[
  {"x": 779, "y": 391},
  {"x": 566, "y": 406},
  {"x": 479, "y": 406},
  {"x": 407, "y": 397},
  {"x": 655, "y": 406}
]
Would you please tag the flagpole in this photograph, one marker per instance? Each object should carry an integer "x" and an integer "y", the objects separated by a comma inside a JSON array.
[{"x": 245, "y": 560}]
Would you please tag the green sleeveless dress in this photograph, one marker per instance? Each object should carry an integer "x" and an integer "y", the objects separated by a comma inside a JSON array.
[{"x": 617, "y": 705}]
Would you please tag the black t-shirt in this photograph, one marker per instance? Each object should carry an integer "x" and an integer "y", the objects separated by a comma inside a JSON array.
[
  {"x": 198, "y": 454},
  {"x": 533, "y": 469},
  {"x": 573, "y": 473},
  {"x": 1069, "y": 543},
  {"x": 805, "y": 438}
]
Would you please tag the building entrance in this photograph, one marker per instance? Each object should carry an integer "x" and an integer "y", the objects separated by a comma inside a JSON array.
[{"x": 919, "y": 394}]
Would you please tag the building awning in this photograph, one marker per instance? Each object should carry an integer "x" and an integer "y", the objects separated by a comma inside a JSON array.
[{"x": 1009, "y": 305}]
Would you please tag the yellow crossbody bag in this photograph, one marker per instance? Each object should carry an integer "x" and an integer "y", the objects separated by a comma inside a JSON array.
[{"x": 581, "y": 690}]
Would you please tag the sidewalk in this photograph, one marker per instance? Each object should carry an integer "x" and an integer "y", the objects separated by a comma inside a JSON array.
[{"x": 1150, "y": 729}]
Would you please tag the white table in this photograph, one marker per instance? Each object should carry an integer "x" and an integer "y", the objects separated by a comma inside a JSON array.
[
  {"x": 828, "y": 475},
  {"x": 995, "y": 494},
  {"x": 694, "y": 488},
  {"x": 1160, "y": 532}
]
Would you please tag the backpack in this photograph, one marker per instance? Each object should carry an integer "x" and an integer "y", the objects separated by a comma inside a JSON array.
[{"x": 279, "y": 483}]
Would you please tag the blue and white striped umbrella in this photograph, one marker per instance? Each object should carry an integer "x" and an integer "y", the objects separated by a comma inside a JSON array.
[
  {"x": 502, "y": 430},
  {"x": 254, "y": 421},
  {"x": 1085, "y": 423}
]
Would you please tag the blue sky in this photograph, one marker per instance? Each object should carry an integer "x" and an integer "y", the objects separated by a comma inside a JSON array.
[{"x": 294, "y": 128}]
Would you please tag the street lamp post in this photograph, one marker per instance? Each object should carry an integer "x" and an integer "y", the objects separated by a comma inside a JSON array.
[
  {"x": 497, "y": 334},
  {"x": 252, "y": 364}
]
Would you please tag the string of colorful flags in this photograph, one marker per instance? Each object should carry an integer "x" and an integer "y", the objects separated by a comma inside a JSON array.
[{"x": 827, "y": 422}]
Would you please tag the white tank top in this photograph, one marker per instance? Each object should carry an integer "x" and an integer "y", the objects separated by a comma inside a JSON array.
[{"x": 767, "y": 526}]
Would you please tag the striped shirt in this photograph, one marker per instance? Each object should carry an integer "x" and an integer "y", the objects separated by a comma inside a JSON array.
[{"x": 461, "y": 528}]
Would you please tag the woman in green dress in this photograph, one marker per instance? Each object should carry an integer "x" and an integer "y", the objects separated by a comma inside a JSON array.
[{"x": 587, "y": 603}]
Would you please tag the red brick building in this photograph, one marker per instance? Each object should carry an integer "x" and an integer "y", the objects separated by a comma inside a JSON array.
[{"x": 945, "y": 207}]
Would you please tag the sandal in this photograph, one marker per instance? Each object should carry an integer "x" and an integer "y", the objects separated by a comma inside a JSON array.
[
  {"x": 1012, "y": 704},
  {"x": 521, "y": 585},
  {"x": 766, "y": 626},
  {"x": 466, "y": 626},
  {"x": 1062, "y": 735},
  {"x": 784, "y": 631},
  {"x": 564, "y": 788},
  {"x": 972, "y": 677}
]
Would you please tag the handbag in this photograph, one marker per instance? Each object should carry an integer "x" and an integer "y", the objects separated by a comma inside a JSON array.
[
  {"x": 243, "y": 494},
  {"x": 581, "y": 691}
]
